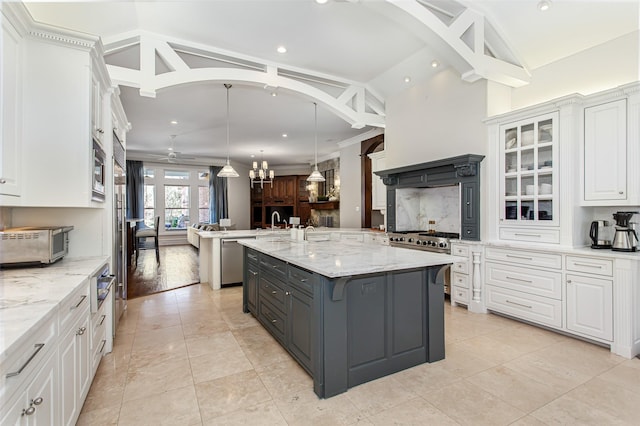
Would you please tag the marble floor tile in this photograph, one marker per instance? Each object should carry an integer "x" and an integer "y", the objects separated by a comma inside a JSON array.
[
  {"x": 222, "y": 363},
  {"x": 231, "y": 393},
  {"x": 157, "y": 321},
  {"x": 223, "y": 341},
  {"x": 490, "y": 349},
  {"x": 615, "y": 401},
  {"x": 415, "y": 412},
  {"x": 303, "y": 407},
  {"x": 102, "y": 416},
  {"x": 172, "y": 407},
  {"x": 160, "y": 353},
  {"x": 158, "y": 337},
  {"x": 203, "y": 327},
  {"x": 515, "y": 389},
  {"x": 463, "y": 363},
  {"x": 538, "y": 369},
  {"x": 625, "y": 375},
  {"x": 193, "y": 314},
  {"x": 157, "y": 378},
  {"x": 265, "y": 414},
  {"x": 378, "y": 395},
  {"x": 468, "y": 404},
  {"x": 260, "y": 347},
  {"x": 568, "y": 410},
  {"x": 425, "y": 378},
  {"x": 284, "y": 377}
]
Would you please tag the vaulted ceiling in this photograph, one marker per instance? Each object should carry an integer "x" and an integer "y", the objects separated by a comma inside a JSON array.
[{"x": 172, "y": 58}]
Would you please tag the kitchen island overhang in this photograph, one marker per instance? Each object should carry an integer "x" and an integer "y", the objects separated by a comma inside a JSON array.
[{"x": 348, "y": 312}]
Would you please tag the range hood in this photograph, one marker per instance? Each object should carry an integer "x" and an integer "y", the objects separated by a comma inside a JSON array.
[{"x": 463, "y": 170}]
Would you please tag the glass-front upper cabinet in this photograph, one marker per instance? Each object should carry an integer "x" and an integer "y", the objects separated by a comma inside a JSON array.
[{"x": 529, "y": 178}]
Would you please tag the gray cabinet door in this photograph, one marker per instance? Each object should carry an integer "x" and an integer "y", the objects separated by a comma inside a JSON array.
[
  {"x": 251, "y": 284},
  {"x": 300, "y": 326}
]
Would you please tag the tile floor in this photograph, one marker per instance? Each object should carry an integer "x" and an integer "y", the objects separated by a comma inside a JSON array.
[{"x": 191, "y": 357}]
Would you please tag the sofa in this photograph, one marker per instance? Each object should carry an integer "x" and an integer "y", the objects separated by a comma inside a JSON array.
[{"x": 192, "y": 232}]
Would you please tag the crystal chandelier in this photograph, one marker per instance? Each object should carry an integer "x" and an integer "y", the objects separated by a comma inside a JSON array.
[{"x": 259, "y": 175}]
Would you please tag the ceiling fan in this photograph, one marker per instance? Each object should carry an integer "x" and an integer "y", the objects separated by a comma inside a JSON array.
[{"x": 172, "y": 155}]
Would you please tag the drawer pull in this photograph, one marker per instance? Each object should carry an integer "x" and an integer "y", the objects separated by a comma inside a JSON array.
[
  {"x": 81, "y": 331},
  {"x": 254, "y": 273},
  {"x": 273, "y": 321},
  {"x": 104, "y": 342},
  {"x": 519, "y": 279},
  {"x": 79, "y": 303},
  {"x": 519, "y": 257},
  {"x": 287, "y": 293},
  {"x": 528, "y": 235},
  {"x": 303, "y": 280},
  {"x": 102, "y": 320},
  {"x": 519, "y": 304},
  {"x": 588, "y": 265},
  {"x": 38, "y": 347},
  {"x": 29, "y": 411},
  {"x": 274, "y": 292}
]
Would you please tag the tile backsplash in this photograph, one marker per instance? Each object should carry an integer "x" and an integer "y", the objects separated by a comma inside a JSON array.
[{"x": 415, "y": 207}]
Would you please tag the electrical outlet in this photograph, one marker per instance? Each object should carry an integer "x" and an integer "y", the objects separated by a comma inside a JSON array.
[{"x": 357, "y": 208}]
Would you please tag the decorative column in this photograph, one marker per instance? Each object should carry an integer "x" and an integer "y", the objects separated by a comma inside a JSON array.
[{"x": 477, "y": 303}]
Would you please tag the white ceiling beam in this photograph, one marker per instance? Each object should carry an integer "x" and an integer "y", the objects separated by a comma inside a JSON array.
[
  {"x": 482, "y": 66},
  {"x": 351, "y": 105}
]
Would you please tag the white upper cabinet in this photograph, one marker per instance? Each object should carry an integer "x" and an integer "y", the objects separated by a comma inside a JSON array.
[
  {"x": 10, "y": 107},
  {"x": 610, "y": 150}
]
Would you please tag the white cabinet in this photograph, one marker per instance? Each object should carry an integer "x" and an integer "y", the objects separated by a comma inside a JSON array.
[
  {"x": 75, "y": 360},
  {"x": 59, "y": 120},
  {"x": 460, "y": 281},
  {"x": 528, "y": 178},
  {"x": 37, "y": 404},
  {"x": 378, "y": 189},
  {"x": 610, "y": 150},
  {"x": 589, "y": 301},
  {"x": 10, "y": 116},
  {"x": 590, "y": 306}
]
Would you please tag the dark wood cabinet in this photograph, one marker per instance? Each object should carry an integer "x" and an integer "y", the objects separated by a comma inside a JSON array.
[
  {"x": 283, "y": 190},
  {"x": 288, "y": 195}
]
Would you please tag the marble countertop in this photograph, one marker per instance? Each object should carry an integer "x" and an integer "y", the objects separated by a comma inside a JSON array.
[
  {"x": 335, "y": 259},
  {"x": 248, "y": 233},
  {"x": 29, "y": 297}
]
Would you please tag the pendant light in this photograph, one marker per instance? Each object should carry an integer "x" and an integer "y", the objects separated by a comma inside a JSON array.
[
  {"x": 315, "y": 176},
  {"x": 228, "y": 171}
]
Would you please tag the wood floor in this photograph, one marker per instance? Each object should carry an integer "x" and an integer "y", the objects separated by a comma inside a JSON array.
[{"x": 178, "y": 268}]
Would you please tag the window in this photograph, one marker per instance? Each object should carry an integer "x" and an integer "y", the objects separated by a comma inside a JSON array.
[
  {"x": 176, "y": 206},
  {"x": 176, "y": 174},
  {"x": 203, "y": 204},
  {"x": 149, "y": 204}
]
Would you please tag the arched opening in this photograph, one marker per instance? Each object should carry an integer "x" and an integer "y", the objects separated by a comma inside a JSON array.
[{"x": 368, "y": 146}]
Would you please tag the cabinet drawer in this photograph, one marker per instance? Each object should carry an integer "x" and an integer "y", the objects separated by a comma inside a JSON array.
[
  {"x": 537, "y": 235},
  {"x": 531, "y": 281},
  {"x": 99, "y": 346},
  {"x": 537, "y": 309},
  {"x": 272, "y": 291},
  {"x": 352, "y": 237},
  {"x": 459, "y": 250},
  {"x": 460, "y": 295},
  {"x": 252, "y": 256},
  {"x": 527, "y": 258},
  {"x": 99, "y": 323},
  {"x": 273, "y": 320},
  {"x": 301, "y": 279},
  {"x": 590, "y": 265},
  {"x": 462, "y": 267},
  {"x": 274, "y": 266},
  {"x": 459, "y": 280},
  {"x": 75, "y": 305},
  {"x": 27, "y": 357}
]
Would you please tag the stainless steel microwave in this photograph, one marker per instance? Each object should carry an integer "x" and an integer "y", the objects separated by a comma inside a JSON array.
[
  {"x": 98, "y": 181},
  {"x": 34, "y": 244}
]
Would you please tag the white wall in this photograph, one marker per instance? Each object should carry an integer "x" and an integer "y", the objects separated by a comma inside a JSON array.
[
  {"x": 602, "y": 67},
  {"x": 350, "y": 186},
  {"x": 437, "y": 119},
  {"x": 239, "y": 197}
]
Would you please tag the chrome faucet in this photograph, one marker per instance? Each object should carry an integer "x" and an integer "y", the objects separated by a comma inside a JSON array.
[
  {"x": 307, "y": 229},
  {"x": 285, "y": 224},
  {"x": 273, "y": 222}
]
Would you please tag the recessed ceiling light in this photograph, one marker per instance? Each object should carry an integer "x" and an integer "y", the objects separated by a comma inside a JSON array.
[
  {"x": 284, "y": 135},
  {"x": 281, "y": 49},
  {"x": 274, "y": 94},
  {"x": 321, "y": 1},
  {"x": 544, "y": 5},
  {"x": 253, "y": 156},
  {"x": 407, "y": 79},
  {"x": 174, "y": 122},
  {"x": 435, "y": 64}
]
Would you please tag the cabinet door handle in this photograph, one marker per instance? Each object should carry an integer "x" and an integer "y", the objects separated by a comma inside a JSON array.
[
  {"x": 528, "y": 235},
  {"x": 519, "y": 304},
  {"x": 38, "y": 347},
  {"x": 81, "y": 331},
  {"x": 568, "y": 281},
  {"x": 29, "y": 411},
  {"x": 621, "y": 192},
  {"x": 303, "y": 280},
  {"x": 102, "y": 319},
  {"x": 587, "y": 265},
  {"x": 79, "y": 303},
  {"x": 273, "y": 292},
  {"x": 287, "y": 293},
  {"x": 104, "y": 342},
  {"x": 519, "y": 257},
  {"x": 37, "y": 401},
  {"x": 519, "y": 279},
  {"x": 3, "y": 180}
]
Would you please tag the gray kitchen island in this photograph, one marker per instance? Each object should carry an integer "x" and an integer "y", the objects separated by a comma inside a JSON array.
[{"x": 348, "y": 312}]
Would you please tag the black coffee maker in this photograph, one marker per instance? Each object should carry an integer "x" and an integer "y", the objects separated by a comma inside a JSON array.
[{"x": 625, "y": 238}]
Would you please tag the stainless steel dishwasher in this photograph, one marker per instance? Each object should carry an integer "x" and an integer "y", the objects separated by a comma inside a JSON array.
[{"x": 231, "y": 261}]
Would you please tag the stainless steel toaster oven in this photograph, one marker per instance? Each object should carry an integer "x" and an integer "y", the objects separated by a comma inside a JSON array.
[{"x": 34, "y": 244}]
